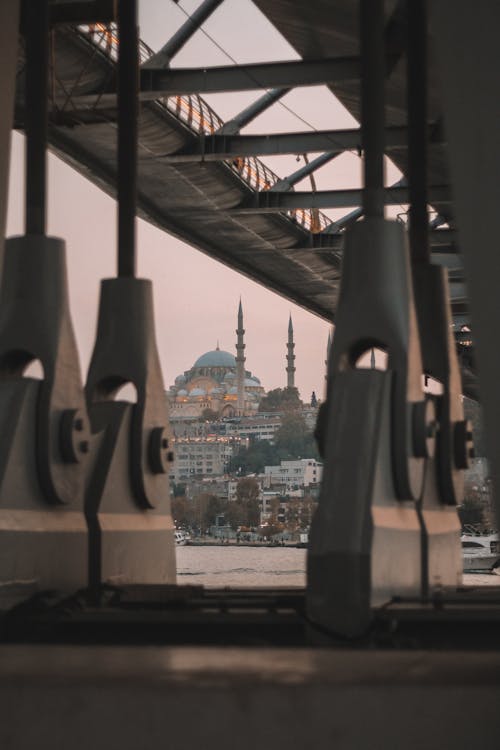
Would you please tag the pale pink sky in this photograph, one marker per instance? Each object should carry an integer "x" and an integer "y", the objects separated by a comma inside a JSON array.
[{"x": 196, "y": 298}]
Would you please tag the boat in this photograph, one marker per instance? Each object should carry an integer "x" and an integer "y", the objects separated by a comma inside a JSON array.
[
  {"x": 481, "y": 552},
  {"x": 180, "y": 538}
]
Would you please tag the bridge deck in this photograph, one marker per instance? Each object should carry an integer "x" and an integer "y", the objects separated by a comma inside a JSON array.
[{"x": 191, "y": 201}]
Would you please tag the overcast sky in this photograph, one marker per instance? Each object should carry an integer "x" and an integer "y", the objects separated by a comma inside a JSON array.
[{"x": 196, "y": 298}]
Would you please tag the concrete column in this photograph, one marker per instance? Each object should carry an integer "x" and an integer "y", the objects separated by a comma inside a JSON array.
[{"x": 468, "y": 57}]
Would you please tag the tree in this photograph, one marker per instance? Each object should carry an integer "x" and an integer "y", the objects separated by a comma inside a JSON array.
[
  {"x": 252, "y": 460},
  {"x": 236, "y": 514},
  {"x": 273, "y": 525},
  {"x": 294, "y": 439},
  {"x": 204, "y": 509},
  {"x": 247, "y": 490},
  {"x": 215, "y": 506},
  {"x": 281, "y": 399},
  {"x": 182, "y": 511},
  {"x": 299, "y": 512},
  {"x": 247, "y": 494}
]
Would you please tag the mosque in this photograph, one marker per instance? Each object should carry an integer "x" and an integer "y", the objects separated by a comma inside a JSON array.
[{"x": 218, "y": 381}]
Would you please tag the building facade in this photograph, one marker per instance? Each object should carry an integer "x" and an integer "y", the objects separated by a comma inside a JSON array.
[
  {"x": 197, "y": 457},
  {"x": 294, "y": 474}
]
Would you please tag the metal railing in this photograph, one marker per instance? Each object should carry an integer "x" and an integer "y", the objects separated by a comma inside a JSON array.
[{"x": 200, "y": 118}]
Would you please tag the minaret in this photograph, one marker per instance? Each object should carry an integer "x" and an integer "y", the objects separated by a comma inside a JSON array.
[
  {"x": 290, "y": 357},
  {"x": 240, "y": 362},
  {"x": 328, "y": 345}
]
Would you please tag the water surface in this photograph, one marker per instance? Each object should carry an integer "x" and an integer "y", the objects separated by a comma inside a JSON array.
[{"x": 260, "y": 566}]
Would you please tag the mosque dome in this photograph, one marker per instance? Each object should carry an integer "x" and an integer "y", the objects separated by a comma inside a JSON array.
[
  {"x": 252, "y": 382},
  {"x": 216, "y": 358},
  {"x": 213, "y": 381},
  {"x": 198, "y": 392}
]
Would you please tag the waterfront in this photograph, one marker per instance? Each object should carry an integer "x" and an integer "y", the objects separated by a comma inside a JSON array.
[{"x": 217, "y": 566}]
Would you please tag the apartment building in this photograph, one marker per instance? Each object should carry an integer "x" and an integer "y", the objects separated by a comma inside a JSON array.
[
  {"x": 294, "y": 474},
  {"x": 203, "y": 456}
]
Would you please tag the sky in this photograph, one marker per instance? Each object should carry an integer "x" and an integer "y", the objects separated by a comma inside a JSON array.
[{"x": 196, "y": 298}]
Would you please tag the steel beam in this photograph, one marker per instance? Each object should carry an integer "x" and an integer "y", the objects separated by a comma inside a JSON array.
[
  {"x": 229, "y": 78},
  {"x": 306, "y": 171},
  {"x": 417, "y": 71},
  {"x": 37, "y": 71},
  {"x": 159, "y": 82},
  {"x": 442, "y": 253},
  {"x": 274, "y": 202},
  {"x": 458, "y": 291},
  {"x": 222, "y": 147},
  {"x": 234, "y": 125},
  {"x": 372, "y": 105},
  {"x": 9, "y": 21},
  {"x": 128, "y": 64},
  {"x": 162, "y": 58},
  {"x": 81, "y": 11}
]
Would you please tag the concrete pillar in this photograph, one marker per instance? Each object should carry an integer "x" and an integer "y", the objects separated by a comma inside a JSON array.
[{"x": 468, "y": 58}]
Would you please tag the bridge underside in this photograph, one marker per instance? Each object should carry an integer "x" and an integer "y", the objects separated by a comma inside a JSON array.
[
  {"x": 223, "y": 207},
  {"x": 194, "y": 202}
]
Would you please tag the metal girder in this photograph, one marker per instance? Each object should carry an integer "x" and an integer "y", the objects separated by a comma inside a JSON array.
[
  {"x": 158, "y": 82},
  {"x": 81, "y": 11},
  {"x": 458, "y": 292},
  {"x": 234, "y": 125},
  {"x": 9, "y": 19},
  {"x": 445, "y": 237},
  {"x": 228, "y": 78},
  {"x": 268, "y": 201},
  {"x": 306, "y": 171},
  {"x": 174, "y": 45},
  {"x": 442, "y": 254},
  {"x": 222, "y": 147}
]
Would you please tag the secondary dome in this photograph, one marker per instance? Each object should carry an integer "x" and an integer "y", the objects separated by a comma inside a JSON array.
[
  {"x": 198, "y": 392},
  {"x": 216, "y": 358}
]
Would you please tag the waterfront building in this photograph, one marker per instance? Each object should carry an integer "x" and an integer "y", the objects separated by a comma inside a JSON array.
[
  {"x": 197, "y": 457},
  {"x": 302, "y": 472}
]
